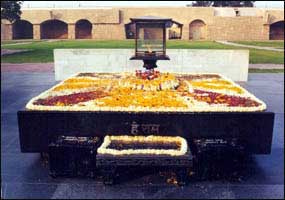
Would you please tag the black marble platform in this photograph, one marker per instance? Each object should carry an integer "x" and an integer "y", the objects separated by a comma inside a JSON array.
[
  {"x": 179, "y": 165},
  {"x": 24, "y": 175}
]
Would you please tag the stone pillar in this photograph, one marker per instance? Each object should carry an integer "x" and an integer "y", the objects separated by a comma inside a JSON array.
[
  {"x": 6, "y": 32},
  {"x": 36, "y": 31},
  {"x": 266, "y": 32},
  {"x": 185, "y": 32},
  {"x": 3, "y": 35},
  {"x": 71, "y": 31},
  {"x": 94, "y": 31}
]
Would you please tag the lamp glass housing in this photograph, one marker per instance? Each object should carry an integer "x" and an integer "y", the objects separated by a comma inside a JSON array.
[{"x": 150, "y": 39}]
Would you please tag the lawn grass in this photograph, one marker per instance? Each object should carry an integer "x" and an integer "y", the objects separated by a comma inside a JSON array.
[
  {"x": 264, "y": 56},
  {"x": 266, "y": 70},
  {"x": 42, "y": 52},
  {"x": 276, "y": 44}
]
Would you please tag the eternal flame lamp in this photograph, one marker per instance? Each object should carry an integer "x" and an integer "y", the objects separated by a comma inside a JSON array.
[{"x": 150, "y": 39}]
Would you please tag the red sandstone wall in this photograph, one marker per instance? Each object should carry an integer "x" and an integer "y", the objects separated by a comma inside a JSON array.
[
  {"x": 108, "y": 24},
  {"x": 238, "y": 28}
]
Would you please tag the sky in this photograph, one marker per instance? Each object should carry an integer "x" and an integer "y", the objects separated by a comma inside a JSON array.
[{"x": 76, "y": 4}]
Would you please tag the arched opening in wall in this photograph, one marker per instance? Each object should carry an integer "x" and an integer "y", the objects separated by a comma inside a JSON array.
[
  {"x": 54, "y": 29},
  {"x": 22, "y": 29},
  {"x": 130, "y": 30},
  {"x": 197, "y": 30},
  {"x": 276, "y": 31},
  {"x": 83, "y": 29},
  {"x": 175, "y": 31}
]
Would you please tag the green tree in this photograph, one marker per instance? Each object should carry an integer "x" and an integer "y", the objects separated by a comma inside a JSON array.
[
  {"x": 11, "y": 10},
  {"x": 223, "y": 3},
  {"x": 233, "y": 3},
  {"x": 202, "y": 3}
]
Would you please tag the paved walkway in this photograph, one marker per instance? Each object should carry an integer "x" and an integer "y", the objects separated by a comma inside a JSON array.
[
  {"x": 17, "y": 43},
  {"x": 12, "y": 51},
  {"x": 27, "y": 67},
  {"x": 250, "y": 46},
  {"x": 266, "y": 66},
  {"x": 49, "y": 67}
]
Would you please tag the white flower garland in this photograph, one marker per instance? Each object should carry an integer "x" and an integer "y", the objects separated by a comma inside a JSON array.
[{"x": 103, "y": 149}]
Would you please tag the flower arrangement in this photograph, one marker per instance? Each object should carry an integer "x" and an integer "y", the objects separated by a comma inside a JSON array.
[
  {"x": 150, "y": 82},
  {"x": 163, "y": 93}
]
